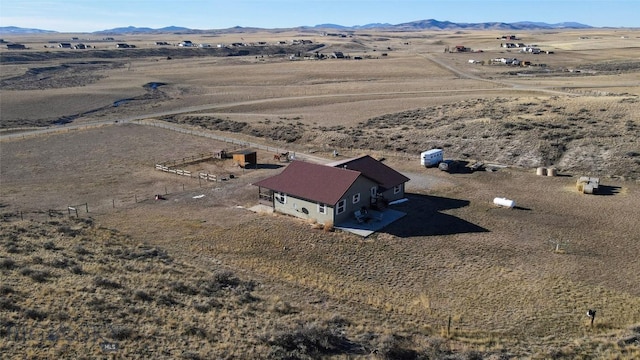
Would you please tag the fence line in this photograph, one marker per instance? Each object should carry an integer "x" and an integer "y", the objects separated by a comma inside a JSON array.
[{"x": 238, "y": 143}]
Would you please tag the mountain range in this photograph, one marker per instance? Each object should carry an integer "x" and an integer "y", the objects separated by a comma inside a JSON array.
[{"x": 430, "y": 24}]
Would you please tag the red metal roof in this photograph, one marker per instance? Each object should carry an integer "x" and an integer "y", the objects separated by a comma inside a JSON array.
[
  {"x": 313, "y": 182},
  {"x": 385, "y": 176}
]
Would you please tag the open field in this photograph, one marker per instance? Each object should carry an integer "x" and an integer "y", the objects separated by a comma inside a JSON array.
[
  {"x": 580, "y": 106},
  {"x": 204, "y": 277}
]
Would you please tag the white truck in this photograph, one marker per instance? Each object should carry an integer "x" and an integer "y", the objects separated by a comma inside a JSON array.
[{"x": 431, "y": 157}]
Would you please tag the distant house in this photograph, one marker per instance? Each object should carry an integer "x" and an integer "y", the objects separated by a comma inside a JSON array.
[
  {"x": 506, "y": 61},
  {"x": 186, "y": 43},
  {"x": 64, "y": 45},
  {"x": 161, "y": 43},
  {"x": 16, "y": 46},
  {"x": 80, "y": 46},
  {"x": 461, "y": 48},
  {"x": 338, "y": 55},
  {"x": 124, "y": 46},
  {"x": 333, "y": 192}
]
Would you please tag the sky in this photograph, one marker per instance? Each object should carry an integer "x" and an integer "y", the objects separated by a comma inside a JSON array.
[{"x": 96, "y": 15}]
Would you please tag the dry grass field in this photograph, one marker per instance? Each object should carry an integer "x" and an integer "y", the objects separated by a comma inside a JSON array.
[{"x": 202, "y": 277}]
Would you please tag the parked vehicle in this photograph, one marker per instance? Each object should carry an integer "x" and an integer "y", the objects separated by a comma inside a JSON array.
[{"x": 431, "y": 157}]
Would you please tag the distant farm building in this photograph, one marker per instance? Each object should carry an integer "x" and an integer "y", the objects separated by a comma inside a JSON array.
[
  {"x": 64, "y": 45},
  {"x": 16, "y": 47}
]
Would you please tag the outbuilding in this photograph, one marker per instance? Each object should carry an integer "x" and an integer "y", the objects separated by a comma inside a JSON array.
[{"x": 245, "y": 157}]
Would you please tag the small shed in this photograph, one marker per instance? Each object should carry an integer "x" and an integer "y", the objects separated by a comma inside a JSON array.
[{"x": 245, "y": 157}]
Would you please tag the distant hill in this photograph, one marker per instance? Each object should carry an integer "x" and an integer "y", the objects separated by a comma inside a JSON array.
[
  {"x": 432, "y": 24},
  {"x": 429, "y": 24},
  {"x": 18, "y": 30},
  {"x": 142, "y": 30}
]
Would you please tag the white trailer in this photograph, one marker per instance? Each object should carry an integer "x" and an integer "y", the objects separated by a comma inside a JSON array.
[{"x": 431, "y": 157}]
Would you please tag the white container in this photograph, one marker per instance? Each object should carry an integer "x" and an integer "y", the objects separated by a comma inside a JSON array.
[
  {"x": 504, "y": 202},
  {"x": 431, "y": 157}
]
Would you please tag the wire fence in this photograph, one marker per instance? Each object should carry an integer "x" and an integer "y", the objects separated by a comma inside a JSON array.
[{"x": 196, "y": 187}]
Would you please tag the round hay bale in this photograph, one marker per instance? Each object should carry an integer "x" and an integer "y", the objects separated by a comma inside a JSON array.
[
  {"x": 551, "y": 172},
  {"x": 541, "y": 171}
]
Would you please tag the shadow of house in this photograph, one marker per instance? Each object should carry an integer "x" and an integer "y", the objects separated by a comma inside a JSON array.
[{"x": 424, "y": 217}]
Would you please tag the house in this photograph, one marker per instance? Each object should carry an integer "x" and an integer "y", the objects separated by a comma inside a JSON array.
[
  {"x": 16, "y": 46},
  {"x": 331, "y": 193},
  {"x": 123, "y": 46},
  {"x": 64, "y": 45},
  {"x": 338, "y": 55},
  {"x": 80, "y": 46},
  {"x": 462, "y": 48},
  {"x": 390, "y": 182},
  {"x": 186, "y": 43}
]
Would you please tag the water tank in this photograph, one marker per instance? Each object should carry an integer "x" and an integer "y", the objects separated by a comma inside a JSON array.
[{"x": 504, "y": 202}]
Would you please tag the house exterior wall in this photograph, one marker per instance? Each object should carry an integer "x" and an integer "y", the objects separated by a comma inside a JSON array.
[
  {"x": 361, "y": 186},
  {"x": 296, "y": 207},
  {"x": 392, "y": 195}
]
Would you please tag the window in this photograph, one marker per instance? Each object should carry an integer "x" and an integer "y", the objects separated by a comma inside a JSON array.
[
  {"x": 322, "y": 208},
  {"x": 356, "y": 198},
  {"x": 281, "y": 198},
  {"x": 341, "y": 206},
  {"x": 374, "y": 191},
  {"x": 397, "y": 189}
]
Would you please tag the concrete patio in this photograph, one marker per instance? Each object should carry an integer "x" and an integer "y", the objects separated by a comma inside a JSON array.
[{"x": 375, "y": 221}]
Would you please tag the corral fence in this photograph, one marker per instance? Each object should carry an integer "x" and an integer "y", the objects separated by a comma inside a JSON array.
[{"x": 172, "y": 170}]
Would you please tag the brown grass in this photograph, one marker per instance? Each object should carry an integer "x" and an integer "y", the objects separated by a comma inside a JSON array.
[{"x": 493, "y": 271}]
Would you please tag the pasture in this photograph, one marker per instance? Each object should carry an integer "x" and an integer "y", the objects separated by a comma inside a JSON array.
[{"x": 492, "y": 273}]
